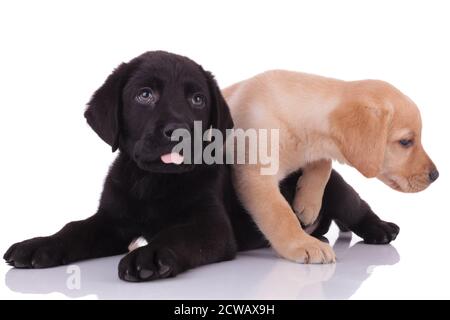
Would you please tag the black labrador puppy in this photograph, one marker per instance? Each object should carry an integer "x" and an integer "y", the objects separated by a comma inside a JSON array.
[{"x": 188, "y": 213}]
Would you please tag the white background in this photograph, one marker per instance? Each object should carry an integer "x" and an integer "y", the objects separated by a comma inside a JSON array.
[{"x": 54, "y": 54}]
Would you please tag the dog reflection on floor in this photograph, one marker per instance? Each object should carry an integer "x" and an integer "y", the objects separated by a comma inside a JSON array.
[
  {"x": 327, "y": 281},
  {"x": 256, "y": 274}
]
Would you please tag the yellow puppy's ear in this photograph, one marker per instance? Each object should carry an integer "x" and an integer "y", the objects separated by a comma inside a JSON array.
[{"x": 360, "y": 132}]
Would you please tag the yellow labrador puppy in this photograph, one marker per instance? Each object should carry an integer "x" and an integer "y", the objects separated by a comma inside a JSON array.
[{"x": 369, "y": 125}]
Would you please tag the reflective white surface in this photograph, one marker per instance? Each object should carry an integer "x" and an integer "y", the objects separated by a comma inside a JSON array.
[
  {"x": 257, "y": 274},
  {"x": 407, "y": 268}
]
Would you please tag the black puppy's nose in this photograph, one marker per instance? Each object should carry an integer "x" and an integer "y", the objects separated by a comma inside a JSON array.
[
  {"x": 433, "y": 175},
  {"x": 171, "y": 127}
]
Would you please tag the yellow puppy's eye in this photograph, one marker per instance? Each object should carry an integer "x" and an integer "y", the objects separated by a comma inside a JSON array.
[{"x": 406, "y": 142}]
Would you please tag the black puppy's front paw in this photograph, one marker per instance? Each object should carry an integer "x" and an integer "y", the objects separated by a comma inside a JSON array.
[
  {"x": 43, "y": 252},
  {"x": 379, "y": 232},
  {"x": 148, "y": 263}
]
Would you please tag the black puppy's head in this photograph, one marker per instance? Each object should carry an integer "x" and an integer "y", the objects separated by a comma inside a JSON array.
[{"x": 143, "y": 101}]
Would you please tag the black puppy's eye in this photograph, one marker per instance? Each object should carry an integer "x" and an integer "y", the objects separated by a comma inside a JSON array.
[
  {"x": 406, "y": 142},
  {"x": 146, "y": 96},
  {"x": 198, "y": 100}
]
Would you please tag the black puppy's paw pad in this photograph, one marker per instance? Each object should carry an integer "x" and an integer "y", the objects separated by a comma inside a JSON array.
[
  {"x": 381, "y": 232},
  {"x": 129, "y": 277},
  {"x": 146, "y": 273},
  {"x": 147, "y": 263},
  {"x": 35, "y": 253},
  {"x": 163, "y": 269}
]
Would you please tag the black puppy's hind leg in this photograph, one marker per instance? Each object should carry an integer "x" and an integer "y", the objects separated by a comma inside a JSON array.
[
  {"x": 180, "y": 248},
  {"x": 97, "y": 236},
  {"x": 342, "y": 204}
]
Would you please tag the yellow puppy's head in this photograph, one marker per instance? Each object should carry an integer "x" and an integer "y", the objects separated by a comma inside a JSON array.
[{"x": 378, "y": 131}]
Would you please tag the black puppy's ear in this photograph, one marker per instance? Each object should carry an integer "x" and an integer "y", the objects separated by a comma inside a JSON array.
[
  {"x": 220, "y": 112},
  {"x": 104, "y": 109}
]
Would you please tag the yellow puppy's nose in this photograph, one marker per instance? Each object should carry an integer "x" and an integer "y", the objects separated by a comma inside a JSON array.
[{"x": 433, "y": 175}]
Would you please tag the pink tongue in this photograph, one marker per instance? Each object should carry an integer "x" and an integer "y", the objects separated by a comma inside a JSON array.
[{"x": 174, "y": 158}]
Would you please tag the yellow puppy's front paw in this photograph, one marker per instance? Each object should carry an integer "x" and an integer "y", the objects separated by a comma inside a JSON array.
[
  {"x": 306, "y": 208},
  {"x": 310, "y": 250}
]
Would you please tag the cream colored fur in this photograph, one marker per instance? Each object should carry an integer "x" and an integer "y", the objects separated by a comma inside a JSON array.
[{"x": 321, "y": 119}]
